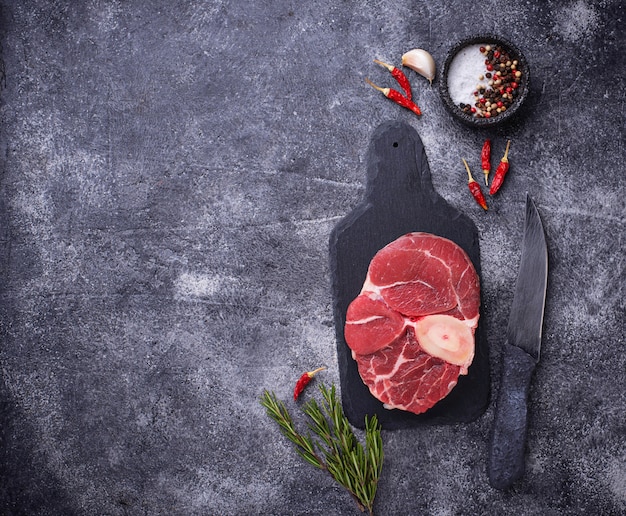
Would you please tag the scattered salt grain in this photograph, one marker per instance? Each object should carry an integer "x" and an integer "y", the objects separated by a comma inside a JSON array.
[{"x": 577, "y": 20}]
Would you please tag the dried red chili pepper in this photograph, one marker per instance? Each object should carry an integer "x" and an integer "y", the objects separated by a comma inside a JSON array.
[
  {"x": 501, "y": 171},
  {"x": 485, "y": 157},
  {"x": 304, "y": 380},
  {"x": 474, "y": 188},
  {"x": 397, "y": 97},
  {"x": 399, "y": 76}
]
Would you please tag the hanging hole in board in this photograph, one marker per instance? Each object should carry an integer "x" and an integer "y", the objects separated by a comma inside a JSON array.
[{"x": 395, "y": 144}]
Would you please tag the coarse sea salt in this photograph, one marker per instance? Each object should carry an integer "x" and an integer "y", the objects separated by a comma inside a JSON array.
[{"x": 464, "y": 72}]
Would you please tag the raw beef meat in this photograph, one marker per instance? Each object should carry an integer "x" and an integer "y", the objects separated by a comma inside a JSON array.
[{"x": 411, "y": 329}]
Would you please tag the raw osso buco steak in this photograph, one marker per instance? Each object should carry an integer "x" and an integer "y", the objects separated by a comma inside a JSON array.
[{"x": 411, "y": 329}]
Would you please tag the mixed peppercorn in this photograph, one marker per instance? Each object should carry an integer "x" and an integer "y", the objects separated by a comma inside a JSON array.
[{"x": 502, "y": 83}]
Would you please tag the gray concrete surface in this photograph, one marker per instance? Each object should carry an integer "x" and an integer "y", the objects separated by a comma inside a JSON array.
[{"x": 169, "y": 177}]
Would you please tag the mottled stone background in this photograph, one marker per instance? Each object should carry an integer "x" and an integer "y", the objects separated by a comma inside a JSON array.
[{"x": 170, "y": 172}]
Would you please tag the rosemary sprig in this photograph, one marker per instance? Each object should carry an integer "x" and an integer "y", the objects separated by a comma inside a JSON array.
[{"x": 335, "y": 448}]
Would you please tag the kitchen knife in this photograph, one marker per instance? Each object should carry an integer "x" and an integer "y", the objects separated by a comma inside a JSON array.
[{"x": 520, "y": 356}]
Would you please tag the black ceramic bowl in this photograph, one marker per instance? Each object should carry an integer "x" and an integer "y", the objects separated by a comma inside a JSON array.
[{"x": 520, "y": 94}]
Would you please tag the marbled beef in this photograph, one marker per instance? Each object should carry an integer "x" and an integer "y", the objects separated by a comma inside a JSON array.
[{"x": 411, "y": 329}]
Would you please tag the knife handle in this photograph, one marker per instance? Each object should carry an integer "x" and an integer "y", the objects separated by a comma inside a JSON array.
[{"x": 508, "y": 440}]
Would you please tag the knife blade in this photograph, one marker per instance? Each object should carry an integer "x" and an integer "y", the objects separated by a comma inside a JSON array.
[{"x": 520, "y": 356}]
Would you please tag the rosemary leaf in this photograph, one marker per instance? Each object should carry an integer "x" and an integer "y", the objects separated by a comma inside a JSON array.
[
  {"x": 320, "y": 424},
  {"x": 311, "y": 459},
  {"x": 335, "y": 448},
  {"x": 359, "y": 464}
]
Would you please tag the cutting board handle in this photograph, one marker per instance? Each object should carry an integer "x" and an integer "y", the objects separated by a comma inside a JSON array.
[{"x": 398, "y": 175}]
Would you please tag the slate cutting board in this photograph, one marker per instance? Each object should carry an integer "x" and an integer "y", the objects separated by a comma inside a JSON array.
[{"x": 399, "y": 199}]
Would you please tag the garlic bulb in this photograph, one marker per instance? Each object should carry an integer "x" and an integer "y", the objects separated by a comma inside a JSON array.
[{"x": 420, "y": 61}]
